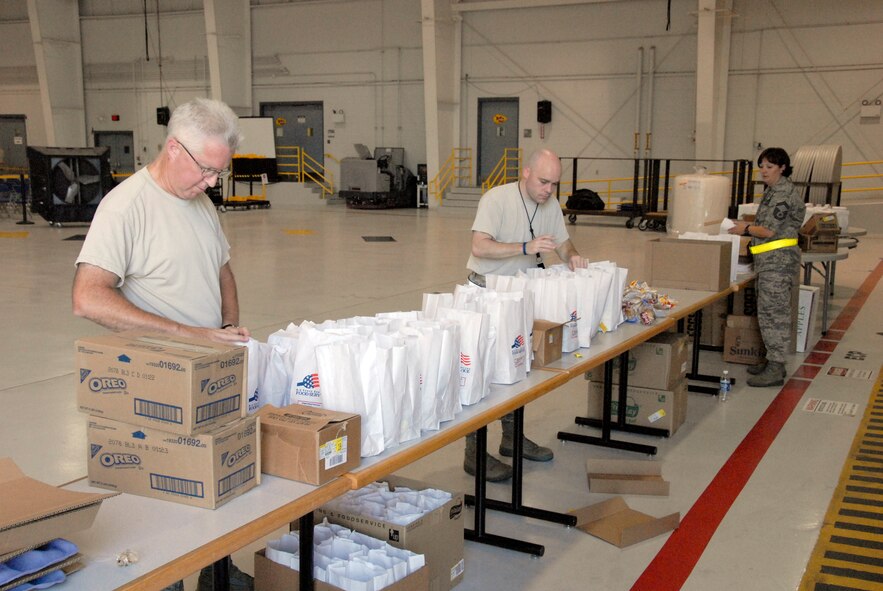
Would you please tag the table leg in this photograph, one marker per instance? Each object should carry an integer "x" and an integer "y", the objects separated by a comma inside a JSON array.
[
  {"x": 694, "y": 374},
  {"x": 221, "y": 575},
  {"x": 478, "y": 533},
  {"x": 305, "y": 575}
]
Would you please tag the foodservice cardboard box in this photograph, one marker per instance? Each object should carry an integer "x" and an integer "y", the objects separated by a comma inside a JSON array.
[
  {"x": 204, "y": 470},
  {"x": 437, "y": 535},
  {"x": 183, "y": 386},
  {"x": 614, "y": 522},
  {"x": 645, "y": 407},
  {"x": 307, "y": 444},
  {"x": 547, "y": 338},
  {"x": 638, "y": 477},
  {"x": 689, "y": 264},
  {"x": 658, "y": 363},
  {"x": 33, "y": 512},
  {"x": 807, "y": 332},
  {"x": 272, "y": 576},
  {"x": 742, "y": 341}
]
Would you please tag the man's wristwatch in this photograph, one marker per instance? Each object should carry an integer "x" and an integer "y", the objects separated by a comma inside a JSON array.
[
  {"x": 228, "y": 325},
  {"x": 746, "y": 232}
]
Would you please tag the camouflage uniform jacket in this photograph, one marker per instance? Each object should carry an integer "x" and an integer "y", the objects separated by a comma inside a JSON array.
[{"x": 781, "y": 210}]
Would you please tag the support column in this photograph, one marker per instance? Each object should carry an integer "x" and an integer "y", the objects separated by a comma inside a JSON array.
[
  {"x": 228, "y": 38},
  {"x": 712, "y": 72},
  {"x": 55, "y": 32},
  {"x": 441, "y": 83}
]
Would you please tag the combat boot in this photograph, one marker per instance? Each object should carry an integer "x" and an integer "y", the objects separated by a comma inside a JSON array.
[
  {"x": 531, "y": 451},
  {"x": 772, "y": 375},
  {"x": 495, "y": 470},
  {"x": 758, "y": 369}
]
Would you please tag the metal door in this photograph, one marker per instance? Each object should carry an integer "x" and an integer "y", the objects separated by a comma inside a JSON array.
[
  {"x": 497, "y": 130},
  {"x": 122, "y": 154},
  {"x": 301, "y": 125},
  {"x": 13, "y": 141}
]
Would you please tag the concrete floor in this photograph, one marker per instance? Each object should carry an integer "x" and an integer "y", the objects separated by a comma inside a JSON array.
[{"x": 305, "y": 259}]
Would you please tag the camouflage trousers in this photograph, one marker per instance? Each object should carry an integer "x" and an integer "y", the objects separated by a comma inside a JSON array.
[{"x": 774, "y": 290}]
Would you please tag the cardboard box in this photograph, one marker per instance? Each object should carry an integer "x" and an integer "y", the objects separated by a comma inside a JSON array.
[
  {"x": 67, "y": 566},
  {"x": 658, "y": 363},
  {"x": 307, "y": 444},
  {"x": 614, "y": 522},
  {"x": 204, "y": 470},
  {"x": 689, "y": 264},
  {"x": 183, "y": 386},
  {"x": 742, "y": 341},
  {"x": 272, "y": 576},
  {"x": 437, "y": 535},
  {"x": 645, "y": 407},
  {"x": 33, "y": 512},
  {"x": 638, "y": 477},
  {"x": 547, "y": 338},
  {"x": 807, "y": 332}
]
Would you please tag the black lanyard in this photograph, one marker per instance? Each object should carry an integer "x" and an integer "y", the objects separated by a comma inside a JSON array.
[{"x": 530, "y": 219}]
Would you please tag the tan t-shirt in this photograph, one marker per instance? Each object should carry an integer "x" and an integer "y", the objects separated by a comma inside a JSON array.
[{"x": 505, "y": 217}]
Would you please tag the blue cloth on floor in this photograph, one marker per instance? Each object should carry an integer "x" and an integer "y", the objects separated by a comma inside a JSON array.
[{"x": 36, "y": 560}]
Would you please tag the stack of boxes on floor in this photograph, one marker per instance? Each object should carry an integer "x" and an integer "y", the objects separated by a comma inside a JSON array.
[
  {"x": 167, "y": 418},
  {"x": 657, "y": 384}
]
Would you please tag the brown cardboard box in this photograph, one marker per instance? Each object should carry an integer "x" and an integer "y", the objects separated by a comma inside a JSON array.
[
  {"x": 546, "y": 342},
  {"x": 272, "y": 576},
  {"x": 638, "y": 477},
  {"x": 658, "y": 363},
  {"x": 645, "y": 407},
  {"x": 179, "y": 385},
  {"x": 437, "y": 535},
  {"x": 33, "y": 512},
  {"x": 307, "y": 444},
  {"x": 689, "y": 264},
  {"x": 614, "y": 522},
  {"x": 204, "y": 470},
  {"x": 742, "y": 342}
]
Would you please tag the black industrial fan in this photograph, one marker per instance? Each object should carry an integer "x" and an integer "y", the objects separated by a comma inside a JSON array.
[{"x": 68, "y": 183}]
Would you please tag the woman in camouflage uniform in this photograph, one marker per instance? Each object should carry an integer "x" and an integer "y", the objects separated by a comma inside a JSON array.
[{"x": 776, "y": 261}]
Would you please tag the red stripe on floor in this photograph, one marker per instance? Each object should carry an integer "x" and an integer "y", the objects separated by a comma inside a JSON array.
[
  {"x": 826, "y": 346},
  {"x": 676, "y": 559},
  {"x": 806, "y": 371},
  {"x": 817, "y": 358}
]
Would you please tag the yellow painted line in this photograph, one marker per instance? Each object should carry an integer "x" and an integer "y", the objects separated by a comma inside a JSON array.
[
  {"x": 299, "y": 232},
  {"x": 14, "y": 234},
  {"x": 848, "y": 552}
]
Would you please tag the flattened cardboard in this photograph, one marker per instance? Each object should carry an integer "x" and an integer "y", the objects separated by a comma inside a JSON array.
[
  {"x": 615, "y": 523},
  {"x": 33, "y": 512},
  {"x": 438, "y": 535},
  {"x": 689, "y": 264},
  {"x": 203, "y": 470},
  {"x": 308, "y": 444},
  {"x": 183, "y": 386},
  {"x": 547, "y": 340},
  {"x": 272, "y": 576},
  {"x": 637, "y": 477}
]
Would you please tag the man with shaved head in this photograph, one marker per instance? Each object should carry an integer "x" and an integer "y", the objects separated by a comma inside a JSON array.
[{"x": 516, "y": 225}]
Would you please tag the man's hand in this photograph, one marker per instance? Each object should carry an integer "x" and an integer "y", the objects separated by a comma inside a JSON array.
[
  {"x": 233, "y": 335},
  {"x": 577, "y": 262},
  {"x": 541, "y": 244}
]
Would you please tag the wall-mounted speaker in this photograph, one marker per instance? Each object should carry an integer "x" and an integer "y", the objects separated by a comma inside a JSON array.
[
  {"x": 544, "y": 111},
  {"x": 67, "y": 184},
  {"x": 162, "y": 115}
]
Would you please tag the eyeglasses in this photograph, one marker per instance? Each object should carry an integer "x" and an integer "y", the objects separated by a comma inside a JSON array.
[{"x": 207, "y": 171}]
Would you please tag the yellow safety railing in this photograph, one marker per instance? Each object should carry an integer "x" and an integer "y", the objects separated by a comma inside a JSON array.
[
  {"x": 293, "y": 163},
  {"x": 507, "y": 170},
  {"x": 458, "y": 167},
  {"x": 863, "y": 187}
]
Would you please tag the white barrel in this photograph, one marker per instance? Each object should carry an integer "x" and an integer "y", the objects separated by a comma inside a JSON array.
[{"x": 699, "y": 203}]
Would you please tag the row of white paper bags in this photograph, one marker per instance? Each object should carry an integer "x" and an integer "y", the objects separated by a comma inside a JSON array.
[
  {"x": 347, "y": 559},
  {"x": 401, "y": 506},
  {"x": 402, "y": 372},
  {"x": 586, "y": 301}
]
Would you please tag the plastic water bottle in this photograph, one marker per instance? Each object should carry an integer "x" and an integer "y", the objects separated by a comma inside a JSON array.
[{"x": 724, "y": 391}]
